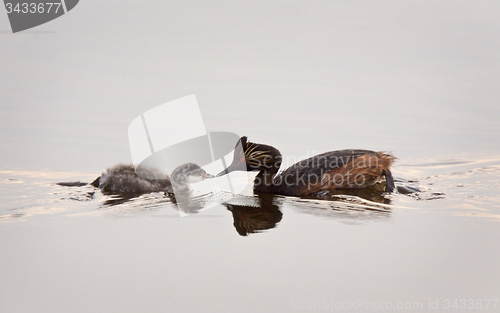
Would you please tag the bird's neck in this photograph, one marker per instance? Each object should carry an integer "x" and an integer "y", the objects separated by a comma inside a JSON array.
[{"x": 265, "y": 181}]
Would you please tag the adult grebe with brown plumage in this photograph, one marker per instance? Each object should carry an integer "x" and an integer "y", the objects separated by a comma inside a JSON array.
[{"x": 334, "y": 170}]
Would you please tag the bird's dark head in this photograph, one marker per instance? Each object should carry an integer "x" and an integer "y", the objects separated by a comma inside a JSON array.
[{"x": 250, "y": 156}]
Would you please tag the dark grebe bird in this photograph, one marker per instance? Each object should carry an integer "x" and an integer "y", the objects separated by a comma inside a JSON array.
[
  {"x": 342, "y": 169},
  {"x": 124, "y": 179}
]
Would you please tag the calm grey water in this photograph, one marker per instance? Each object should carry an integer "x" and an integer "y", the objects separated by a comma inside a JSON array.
[{"x": 420, "y": 79}]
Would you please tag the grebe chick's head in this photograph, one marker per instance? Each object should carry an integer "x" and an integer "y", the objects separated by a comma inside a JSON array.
[
  {"x": 250, "y": 156},
  {"x": 186, "y": 174}
]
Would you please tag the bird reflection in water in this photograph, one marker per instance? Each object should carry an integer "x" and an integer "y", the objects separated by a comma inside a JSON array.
[
  {"x": 259, "y": 214},
  {"x": 345, "y": 208},
  {"x": 375, "y": 193},
  {"x": 263, "y": 214},
  {"x": 264, "y": 211}
]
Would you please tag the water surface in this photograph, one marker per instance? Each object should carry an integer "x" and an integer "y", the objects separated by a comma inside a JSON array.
[
  {"x": 418, "y": 79},
  {"x": 73, "y": 248}
]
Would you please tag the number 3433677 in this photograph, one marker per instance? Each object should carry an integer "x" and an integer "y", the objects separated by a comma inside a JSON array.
[
  {"x": 477, "y": 304},
  {"x": 25, "y": 7}
]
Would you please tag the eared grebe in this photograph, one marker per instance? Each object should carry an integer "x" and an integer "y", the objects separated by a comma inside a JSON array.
[
  {"x": 124, "y": 179},
  {"x": 342, "y": 169},
  {"x": 187, "y": 174}
]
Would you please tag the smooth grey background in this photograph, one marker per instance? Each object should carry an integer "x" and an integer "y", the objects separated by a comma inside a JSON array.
[{"x": 418, "y": 78}]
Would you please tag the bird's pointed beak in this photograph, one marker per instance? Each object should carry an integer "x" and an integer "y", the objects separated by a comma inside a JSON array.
[
  {"x": 231, "y": 168},
  {"x": 224, "y": 172},
  {"x": 208, "y": 175}
]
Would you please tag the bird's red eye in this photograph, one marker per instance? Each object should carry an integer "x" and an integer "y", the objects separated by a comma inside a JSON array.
[{"x": 242, "y": 159}]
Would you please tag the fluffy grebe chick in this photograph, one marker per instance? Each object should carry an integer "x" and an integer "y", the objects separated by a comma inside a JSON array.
[
  {"x": 187, "y": 174},
  {"x": 123, "y": 178},
  {"x": 342, "y": 169}
]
